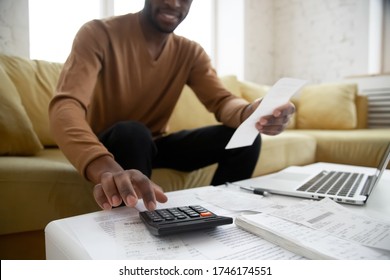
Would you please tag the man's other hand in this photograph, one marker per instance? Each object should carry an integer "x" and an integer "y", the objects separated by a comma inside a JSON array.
[{"x": 277, "y": 122}]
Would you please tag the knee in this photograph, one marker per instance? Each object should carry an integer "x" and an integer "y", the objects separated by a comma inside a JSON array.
[
  {"x": 130, "y": 132},
  {"x": 257, "y": 143}
]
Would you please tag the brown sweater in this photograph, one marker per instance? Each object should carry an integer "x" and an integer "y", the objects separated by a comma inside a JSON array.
[{"x": 110, "y": 76}]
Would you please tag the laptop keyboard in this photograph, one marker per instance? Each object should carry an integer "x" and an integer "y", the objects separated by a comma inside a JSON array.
[{"x": 333, "y": 183}]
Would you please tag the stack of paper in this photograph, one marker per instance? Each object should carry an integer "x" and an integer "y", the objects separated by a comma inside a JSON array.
[{"x": 321, "y": 230}]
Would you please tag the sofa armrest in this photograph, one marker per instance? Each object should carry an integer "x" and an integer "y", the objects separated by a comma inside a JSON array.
[{"x": 362, "y": 111}]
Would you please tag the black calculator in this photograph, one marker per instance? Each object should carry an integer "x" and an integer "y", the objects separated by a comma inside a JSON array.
[{"x": 181, "y": 219}]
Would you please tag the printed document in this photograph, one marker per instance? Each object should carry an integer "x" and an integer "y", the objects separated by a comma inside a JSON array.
[
  {"x": 321, "y": 230},
  {"x": 121, "y": 234},
  {"x": 305, "y": 241},
  {"x": 277, "y": 96},
  {"x": 333, "y": 218}
]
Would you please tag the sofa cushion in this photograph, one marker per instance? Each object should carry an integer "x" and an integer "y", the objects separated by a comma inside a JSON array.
[
  {"x": 16, "y": 130},
  {"x": 199, "y": 116},
  {"x": 36, "y": 190},
  {"x": 327, "y": 106},
  {"x": 252, "y": 91},
  {"x": 35, "y": 81},
  {"x": 174, "y": 180},
  {"x": 362, "y": 111},
  {"x": 362, "y": 147},
  {"x": 232, "y": 84},
  {"x": 283, "y": 150}
]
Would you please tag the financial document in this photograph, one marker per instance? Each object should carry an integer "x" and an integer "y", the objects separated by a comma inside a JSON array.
[
  {"x": 277, "y": 96},
  {"x": 122, "y": 235},
  {"x": 327, "y": 228},
  {"x": 330, "y": 217},
  {"x": 306, "y": 241}
]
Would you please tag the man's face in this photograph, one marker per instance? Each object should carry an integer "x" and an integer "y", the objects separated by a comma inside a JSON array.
[{"x": 166, "y": 15}]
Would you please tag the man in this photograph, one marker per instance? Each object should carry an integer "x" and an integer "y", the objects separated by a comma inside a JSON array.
[{"x": 116, "y": 93}]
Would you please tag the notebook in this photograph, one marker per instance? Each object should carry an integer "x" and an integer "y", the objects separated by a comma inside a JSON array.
[{"x": 342, "y": 186}]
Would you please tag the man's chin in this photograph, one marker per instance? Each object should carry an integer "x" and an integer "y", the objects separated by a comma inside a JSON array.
[{"x": 166, "y": 29}]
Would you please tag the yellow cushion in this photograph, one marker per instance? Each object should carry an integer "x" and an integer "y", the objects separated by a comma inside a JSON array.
[
  {"x": 17, "y": 134},
  {"x": 362, "y": 147},
  {"x": 252, "y": 91},
  {"x": 47, "y": 187},
  {"x": 362, "y": 111},
  {"x": 231, "y": 83},
  {"x": 35, "y": 82},
  {"x": 327, "y": 106},
  {"x": 285, "y": 149},
  {"x": 199, "y": 116}
]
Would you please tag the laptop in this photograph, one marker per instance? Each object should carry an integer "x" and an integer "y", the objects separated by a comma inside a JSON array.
[{"x": 342, "y": 186}]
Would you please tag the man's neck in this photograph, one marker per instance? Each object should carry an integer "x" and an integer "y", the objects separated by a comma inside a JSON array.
[{"x": 155, "y": 39}]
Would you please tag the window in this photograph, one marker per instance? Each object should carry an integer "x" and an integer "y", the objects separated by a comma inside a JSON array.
[
  {"x": 53, "y": 24},
  {"x": 125, "y": 6}
]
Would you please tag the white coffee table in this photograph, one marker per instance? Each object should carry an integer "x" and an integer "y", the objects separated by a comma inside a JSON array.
[{"x": 64, "y": 237}]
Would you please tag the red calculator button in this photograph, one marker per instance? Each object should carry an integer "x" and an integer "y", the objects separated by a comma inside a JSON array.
[{"x": 205, "y": 214}]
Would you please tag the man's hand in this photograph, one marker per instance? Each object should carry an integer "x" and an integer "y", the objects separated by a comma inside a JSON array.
[
  {"x": 278, "y": 121},
  {"x": 275, "y": 123},
  {"x": 114, "y": 187}
]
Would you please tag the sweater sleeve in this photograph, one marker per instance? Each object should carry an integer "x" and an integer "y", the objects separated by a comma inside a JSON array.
[
  {"x": 203, "y": 79},
  {"x": 68, "y": 108}
]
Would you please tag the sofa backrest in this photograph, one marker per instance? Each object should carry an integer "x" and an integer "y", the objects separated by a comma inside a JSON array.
[
  {"x": 189, "y": 113},
  {"x": 27, "y": 86},
  {"x": 31, "y": 85},
  {"x": 333, "y": 99},
  {"x": 334, "y": 106},
  {"x": 362, "y": 111},
  {"x": 321, "y": 106}
]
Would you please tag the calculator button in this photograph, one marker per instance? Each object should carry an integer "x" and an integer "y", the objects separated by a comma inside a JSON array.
[
  {"x": 198, "y": 208},
  {"x": 194, "y": 215},
  {"x": 181, "y": 217},
  {"x": 205, "y": 214}
]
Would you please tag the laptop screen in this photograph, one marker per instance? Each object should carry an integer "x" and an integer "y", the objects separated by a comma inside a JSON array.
[{"x": 382, "y": 166}]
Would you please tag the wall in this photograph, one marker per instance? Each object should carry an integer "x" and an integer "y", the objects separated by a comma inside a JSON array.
[
  {"x": 317, "y": 40},
  {"x": 386, "y": 43},
  {"x": 312, "y": 39},
  {"x": 14, "y": 35},
  {"x": 259, "y": 41},
  {"x": 321, "y": 40}
]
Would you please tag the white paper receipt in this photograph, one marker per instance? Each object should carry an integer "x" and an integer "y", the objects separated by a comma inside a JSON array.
[{"x": 277, "y": 96}]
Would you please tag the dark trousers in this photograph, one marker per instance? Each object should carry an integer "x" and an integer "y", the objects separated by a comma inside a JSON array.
[{"x": 133, "y": 147}]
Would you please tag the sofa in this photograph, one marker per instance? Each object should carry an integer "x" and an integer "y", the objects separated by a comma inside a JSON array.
[{"x": 38, "y": 184}]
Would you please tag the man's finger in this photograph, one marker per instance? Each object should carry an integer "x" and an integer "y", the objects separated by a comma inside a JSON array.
[
  {"x": 110, "y": 190},
  {"x": 101, "y": 198},
  {"x": 160, "y": 195},
  {"x": 125, "y": 188},
  {"x": 285, "y": 110},
  {"x": 144, "y": 186}
]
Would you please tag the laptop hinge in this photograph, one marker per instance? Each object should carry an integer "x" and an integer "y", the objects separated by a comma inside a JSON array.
[{"x": 367, "y": 186}]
